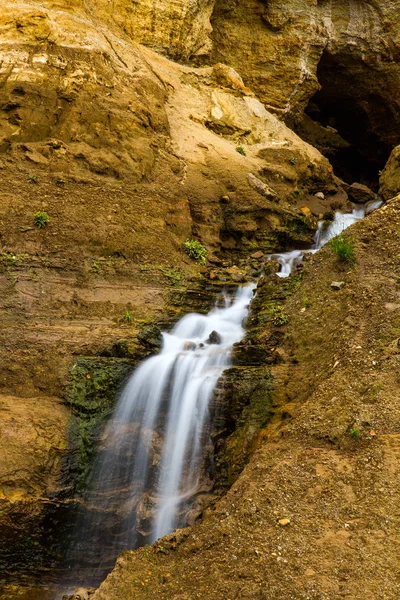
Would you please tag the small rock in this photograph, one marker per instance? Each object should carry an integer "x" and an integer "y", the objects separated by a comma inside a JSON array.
[
  {"x": 258, "y": 254},
  {"x": 337, "y": 285},
  {"x": 202, "y": 145},
  {"x": 214, "y": 338},
  {"x": 189, "y": 345},
  {"x": 320, "y": 195},
  {"x": 284, "y": 522},
  {"x": 306, "y": 211}
]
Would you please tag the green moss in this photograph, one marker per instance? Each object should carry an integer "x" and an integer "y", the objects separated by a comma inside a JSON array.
[{"x": 93, "y": 387}]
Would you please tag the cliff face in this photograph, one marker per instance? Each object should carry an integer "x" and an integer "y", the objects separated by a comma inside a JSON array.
[{"x": 130, "y": 154}]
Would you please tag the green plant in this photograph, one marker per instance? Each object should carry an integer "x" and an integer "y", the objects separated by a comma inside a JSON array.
[
  {"x": 173, "y": 275},
  {"x": 306, "y": 302},
  {"x": 32, "y": 179},
  {"x": 241, "y": 150},
  {"x": 343, "y": 248},
  {"x": 128, "y": 317},
  {"x": 195, "y": 250},
  {"x": 95, "y": 267},
  {"x": 278, "y": 316},
  {"x": 355, "y": 433},
  {"x": 292, "y": 160},
  {"x": 41, "y": 219}
]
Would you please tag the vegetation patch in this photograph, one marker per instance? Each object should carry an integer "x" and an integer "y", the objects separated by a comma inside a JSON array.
[
  {"x": 196, "y": 250},
  {"x": 343, "y": 249},
  {"x": 93, "y": 387},
  {"x": 277, "y": 315},
  {"x": 41, "y": 219}
]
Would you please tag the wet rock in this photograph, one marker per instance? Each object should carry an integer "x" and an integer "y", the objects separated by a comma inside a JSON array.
[
  {"x": 360, "y": 193},
  {"x": 214, "y": 338},
  {"x": 337, "y": 285},
  {"x": 150, "y": 336},
  {"x": 189, "y": 345}
]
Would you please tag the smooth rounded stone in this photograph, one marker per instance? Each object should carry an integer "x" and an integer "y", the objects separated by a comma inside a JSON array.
[
  {"x": 214, "y": 338},
  {"x": 189, "y": 345},
  {"x": 284, "y": 522},
  {"x": 320, "y": 195}
]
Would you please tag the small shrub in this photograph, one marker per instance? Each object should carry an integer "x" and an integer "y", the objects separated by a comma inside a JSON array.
[
  {"x": 293, "y": 160},
  {"x": 306, "y": 302},
  {"x": 355, "y": 433},
  {"x": 128, "y": 317},
  {"x": 344, "y": 249},
  {"x": 41, "y": 219},
  {"x": 278, "y": 316},
  {"x": 195, "y": 250},
  {"x": 32, "y": 179},
  {"x": 241, "y": 150}
]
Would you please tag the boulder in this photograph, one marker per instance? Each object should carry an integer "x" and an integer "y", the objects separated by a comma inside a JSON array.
[
  {"x": 214, "y": 338},
  {"x": 360, "y": 193}
]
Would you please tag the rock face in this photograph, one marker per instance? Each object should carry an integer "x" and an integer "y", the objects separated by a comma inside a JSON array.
[
  {"x": 341, "y": 55},
  {"x": 390, "y": 177},
  {"x": 131, "y": 154}
]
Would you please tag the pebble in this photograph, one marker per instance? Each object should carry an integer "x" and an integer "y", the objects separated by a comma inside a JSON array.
[
  {"x": 337, "y": 285},
  {"x": 284, "y": 522}
]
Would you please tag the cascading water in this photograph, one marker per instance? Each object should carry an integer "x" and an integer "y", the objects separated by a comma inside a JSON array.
[
  {"x": 155, "y": 455},
  {"x": 289, "y": 260}
]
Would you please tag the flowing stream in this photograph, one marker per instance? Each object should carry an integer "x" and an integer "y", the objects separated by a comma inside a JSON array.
[
  {"x": 325, "y": 232},
  {"x": 155, "y": 456}
]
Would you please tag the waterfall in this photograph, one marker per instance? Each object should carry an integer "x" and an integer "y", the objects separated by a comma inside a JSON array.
[{"x": 155, "y": 455}]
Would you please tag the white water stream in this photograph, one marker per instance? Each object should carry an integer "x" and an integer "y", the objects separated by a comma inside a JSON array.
[{"x": 156, "y": 453}]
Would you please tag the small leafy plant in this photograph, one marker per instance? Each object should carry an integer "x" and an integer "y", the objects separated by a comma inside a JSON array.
[
  {"x": 32, "y": 179},
  {"x": 293, "y": 160},
  {"x": 128, "y": 317},
  {"x": 344, "y": 249},
  {"x": 278, "y": 316},
  {"x": 241, "y": 150},
  {"x": 41, "y": 219},
  {"x": 355, "y": 433},
  {"x": 195, "y": 250}
]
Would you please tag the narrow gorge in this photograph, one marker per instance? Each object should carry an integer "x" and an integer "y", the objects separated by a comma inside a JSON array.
[{"x": 159, "y": 163}]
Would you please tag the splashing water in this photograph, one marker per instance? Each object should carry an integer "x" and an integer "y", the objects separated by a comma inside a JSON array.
[{"x": 156, "y": 453}]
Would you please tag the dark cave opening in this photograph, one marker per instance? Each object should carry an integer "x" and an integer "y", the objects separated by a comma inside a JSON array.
[{"x": 356, "y": 118}]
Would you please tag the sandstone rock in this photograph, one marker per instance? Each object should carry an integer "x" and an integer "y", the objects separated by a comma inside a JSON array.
[
  {"x": 284, "y": 522},
  {"x": 360, "y": 194},
  {"x": 257, "y": 255},
  {"x": 260, "y": 187},
  {"x": 390, "y": 178},
  {"x": 337, "y": 285}
]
